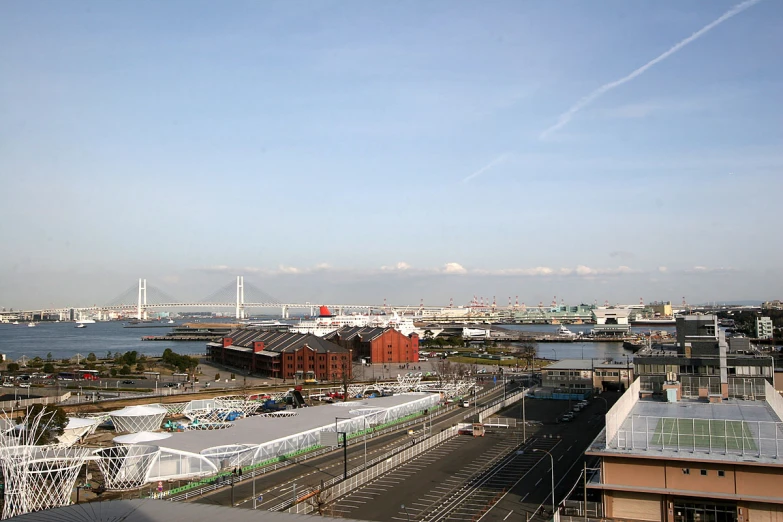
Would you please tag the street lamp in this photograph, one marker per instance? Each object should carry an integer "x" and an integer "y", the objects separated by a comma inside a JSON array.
[
  {"x": 552, "y": 459},
  {"x": 406, "y": 512},
  {"x": 555, "y": 353}
]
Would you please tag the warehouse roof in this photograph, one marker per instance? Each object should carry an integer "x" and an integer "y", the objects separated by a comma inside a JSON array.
[
  {"x": 365, "y": 333},
  {"x": 279, "y": 342}
]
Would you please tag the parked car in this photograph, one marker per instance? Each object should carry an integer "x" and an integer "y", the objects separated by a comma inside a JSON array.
[
  {"x": 128, "y": 382},
  {"x": 24, "y": 385},
  {"x": 566, "y": 417}
]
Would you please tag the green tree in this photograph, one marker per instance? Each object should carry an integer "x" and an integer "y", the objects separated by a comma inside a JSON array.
[
  {"x": 48, "y": 367},
  {"x": 217, "y": 376},
  {"x": 91, "y": 357},
  {"x": 125, "y": 370},
  {"x": 49, "y": 357},
  {"x": 13, "y": 367},
  {"x": 140, "y": 367},
  {"x": 108, "y": 355},
  {"x": 130, "y": 357},
  {"x": 113, "y": 372},
  {"x": 53, "y": 422},
  {"x": 37, "y": 362}
]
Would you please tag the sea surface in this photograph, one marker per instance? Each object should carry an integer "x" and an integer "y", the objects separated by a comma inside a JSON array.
[
  {"x": 579, "y": 349},
  {"x": 64, "y": 340}
]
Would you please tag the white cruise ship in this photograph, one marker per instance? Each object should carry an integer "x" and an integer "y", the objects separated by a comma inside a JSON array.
[{"x": 327, "y": 323}]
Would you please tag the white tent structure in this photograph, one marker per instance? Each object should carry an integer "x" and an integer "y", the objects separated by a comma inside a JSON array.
[
  {"x": 138, "y": 459},
  {"x": 140, "y": 437},
  {"x": 126, "y": 467},
  {"x": 133, "y": 419},
  {"x": 36, "y": 477},
  {"x": 76, "y": 429}
]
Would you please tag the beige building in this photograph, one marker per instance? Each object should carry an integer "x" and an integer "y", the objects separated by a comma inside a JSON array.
[{"x": 707, "y": 460}]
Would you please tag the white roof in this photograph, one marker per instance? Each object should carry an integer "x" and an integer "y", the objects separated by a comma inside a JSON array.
[
  {"x": 257, "y": 430},
  {"x": 138, "y": 411},
  {"x": 140, "y": 437},
  {"x": 77, "y": 422}
]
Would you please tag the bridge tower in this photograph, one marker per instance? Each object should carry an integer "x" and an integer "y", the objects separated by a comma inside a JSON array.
[
  {"x": 141, "y": 305},
  {"x": 284, "y": 312},
  {"x": 240, "y": 303}
]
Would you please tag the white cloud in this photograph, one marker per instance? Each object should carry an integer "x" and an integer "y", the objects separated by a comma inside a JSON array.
[
  {"x": 288, "y": 269},
  {"x": 663, "y": 269},
  {"x": 399, "y": 266},
  {"x": 699, "y": 269},
  {"x": 482, "y": 170},
  {"x": 454, "y": 268},
  {"x": 603, "y": 89}
]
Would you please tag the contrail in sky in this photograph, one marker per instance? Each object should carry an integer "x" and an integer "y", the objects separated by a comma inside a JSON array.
[
  {"x": 486, "y": 167},
  {"x": 566, "y": 116}
]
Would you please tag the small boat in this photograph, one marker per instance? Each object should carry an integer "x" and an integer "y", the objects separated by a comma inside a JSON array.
[
  {"x": 30, "y": 325},
  {"x": 634, "y": 345},
  {"x": 565, "y": 332},
  {"x": 16, "y": 322},
  {"x": 170, "y": 321},
  {"x": 81, "y": 325}
]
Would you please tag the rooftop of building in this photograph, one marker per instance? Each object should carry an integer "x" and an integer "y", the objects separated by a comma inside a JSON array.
[
  {"x": 279, "y": 342},
  {"x": 259, "y": 429},
  {"x": 365, "y": 333},
  {"x": 728, "y": 431},
  {"x": 585, "y": 364}
]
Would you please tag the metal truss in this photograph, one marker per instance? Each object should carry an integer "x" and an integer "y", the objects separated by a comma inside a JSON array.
[
  {"x": 126, "y": 467},
  {"x": 36, "y": 476}
]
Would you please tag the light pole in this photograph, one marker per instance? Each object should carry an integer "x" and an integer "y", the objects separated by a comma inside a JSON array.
[
  {"x": 406, "y": 512},
  {"x": 552, "y": 459},
  {"x": 555, "y": 351},
  {"x": 524, "y": 420}
]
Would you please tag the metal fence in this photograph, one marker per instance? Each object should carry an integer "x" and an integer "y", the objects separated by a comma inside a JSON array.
[
  {"x": 24, "y": 403},
  {"x": 725, "y": 437}
]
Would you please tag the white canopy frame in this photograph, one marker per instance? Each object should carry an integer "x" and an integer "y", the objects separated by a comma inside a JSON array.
[{"x": 126, "y": 467}]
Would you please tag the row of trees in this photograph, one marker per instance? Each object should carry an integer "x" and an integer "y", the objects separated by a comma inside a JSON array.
[{"x": 183, "y": 363}]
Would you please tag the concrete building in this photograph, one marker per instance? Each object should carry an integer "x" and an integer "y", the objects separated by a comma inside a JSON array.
[
  {"x": 611, "y": 321},
  {"x": 690, "y": 460},
  {"x": 377, "y": 345},
  {"x": 282, "y": 355},
  {"x": 764, "y": 328},
  {"x": 581, "y": 378},
  {"x": 704, "y": 363}
]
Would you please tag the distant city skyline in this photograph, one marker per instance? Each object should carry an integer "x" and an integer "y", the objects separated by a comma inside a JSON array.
[{"x": 354, "y": 151}]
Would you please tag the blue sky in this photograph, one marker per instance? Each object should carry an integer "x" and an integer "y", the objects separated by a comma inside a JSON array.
[{"x": 360, "y": 150}]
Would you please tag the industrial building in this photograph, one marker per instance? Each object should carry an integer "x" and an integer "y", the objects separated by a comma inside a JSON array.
[
  {"x": 581, "y": 378},
  {"x": 690, "y": 460},
  {"x": 704, "y": 363},
  {"x": 377, "y": 345},
  {"x": 282, "y": 355}
]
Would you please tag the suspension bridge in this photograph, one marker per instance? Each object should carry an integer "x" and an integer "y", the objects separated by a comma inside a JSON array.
[{"x": 141, "y": 299}]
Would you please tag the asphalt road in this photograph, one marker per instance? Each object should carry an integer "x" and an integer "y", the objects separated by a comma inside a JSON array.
[
  {"x": 461, "y": 478},
  {"x": 279, "y": 486},
  {"x": 534, "y": 490}
]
